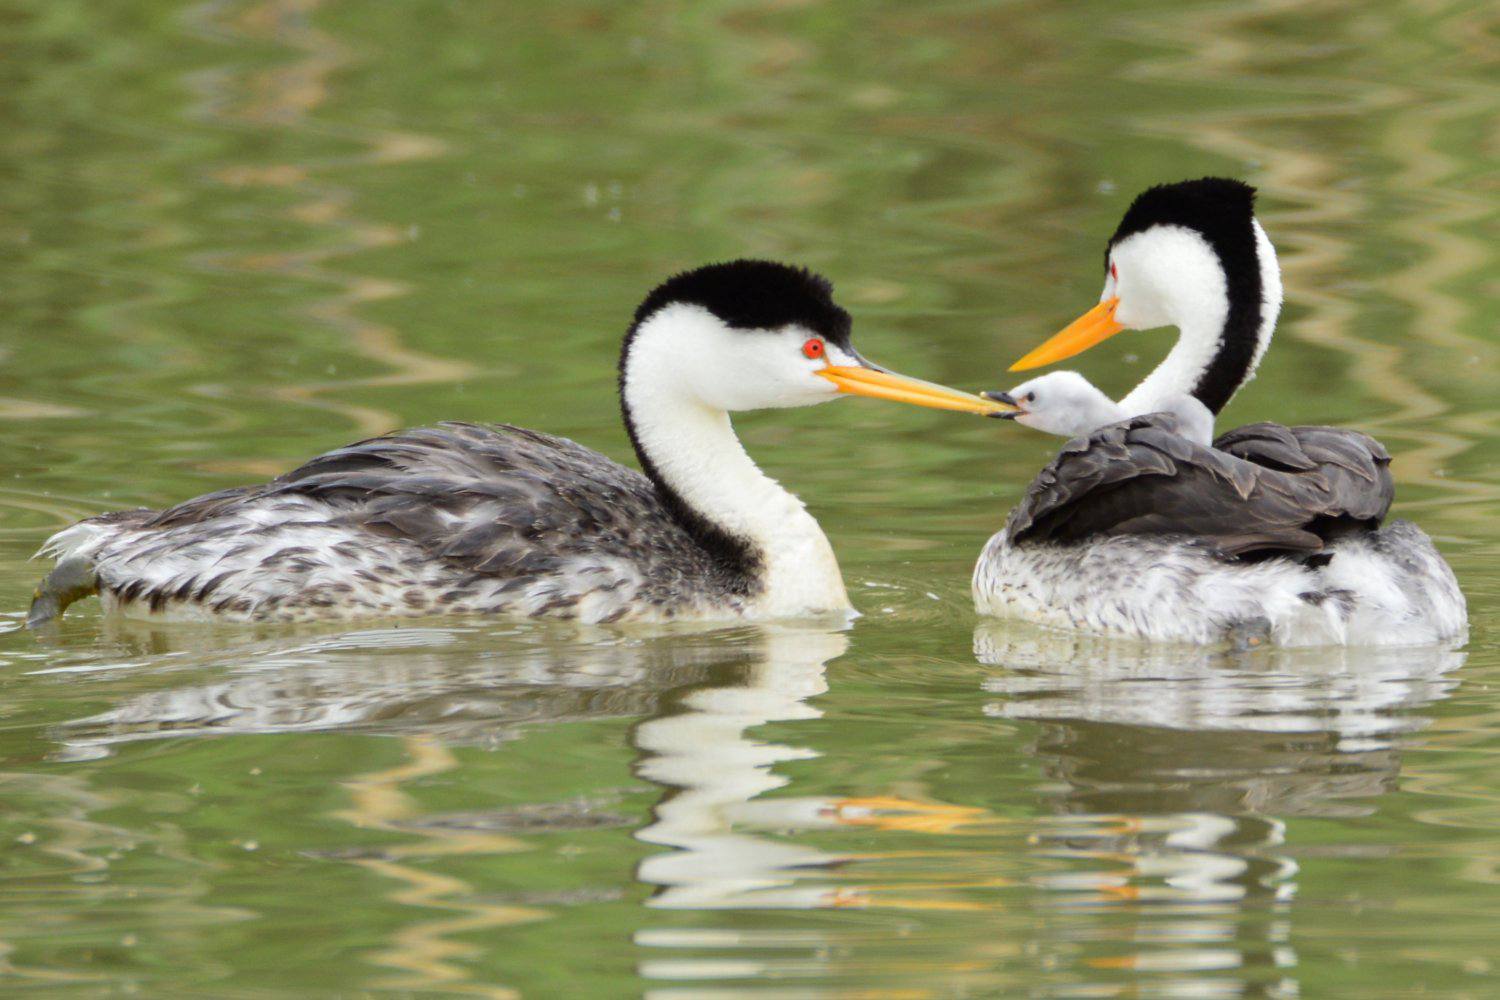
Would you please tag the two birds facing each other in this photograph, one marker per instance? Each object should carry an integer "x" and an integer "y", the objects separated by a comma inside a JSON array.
[{"x": 1143, "y": 525}]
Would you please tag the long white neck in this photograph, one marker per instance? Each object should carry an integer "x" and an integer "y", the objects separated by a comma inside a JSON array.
[
  {"x": 1199, "y": 338},
  {"x": 1094, "y": 411},
  {"x": 1220, "y": 341},
  {"x": 691, "y": 448}
]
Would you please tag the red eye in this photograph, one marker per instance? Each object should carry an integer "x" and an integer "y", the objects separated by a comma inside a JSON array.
[
  {"x": 813, "y": 348},
  {"x": 1114, "y": 271}
]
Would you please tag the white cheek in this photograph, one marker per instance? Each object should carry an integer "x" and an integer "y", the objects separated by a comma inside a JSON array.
[
  {"x": 1168, "y": 274},
  {"x": 801, "y": 384},
  {"x": 1137, "y": 314},
  {"x": 685, "y": 352},
  {"x": 772, "y": 371}
]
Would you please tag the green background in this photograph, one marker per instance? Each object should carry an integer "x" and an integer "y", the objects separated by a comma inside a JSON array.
[{"x": 236, "y": 233}]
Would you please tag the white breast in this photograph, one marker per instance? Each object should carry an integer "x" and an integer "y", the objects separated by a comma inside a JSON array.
[{"x": 1389, "y": 587}]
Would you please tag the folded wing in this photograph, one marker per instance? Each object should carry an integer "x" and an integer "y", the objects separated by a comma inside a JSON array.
[{"x": 1262, "y": 488}]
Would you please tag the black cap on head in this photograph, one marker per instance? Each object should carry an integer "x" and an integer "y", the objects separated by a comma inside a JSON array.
[
  {"x": 1222, "y": 211},
  {"x": 756, "y": 295},
  {"x": 745, "y": 295},
  {"x": 1217, "y": 207}
]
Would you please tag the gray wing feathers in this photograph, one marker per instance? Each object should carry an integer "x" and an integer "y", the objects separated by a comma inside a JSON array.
[
  {"x": 1354, "y": 467},
  {"x": 1263, "y": 487},
  {"x": 499, "y": 500},
  {"x": 481, "y": 517}
]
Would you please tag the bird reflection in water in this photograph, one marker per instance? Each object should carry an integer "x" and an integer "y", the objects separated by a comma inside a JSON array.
[
  {"x": 731, "y": 849},
  {"x": 1175, "y": 780},
  {"x": 462, "y": 685},
  {"x": 702, "y": 695},
  {"x": 1173, "y": 774}
]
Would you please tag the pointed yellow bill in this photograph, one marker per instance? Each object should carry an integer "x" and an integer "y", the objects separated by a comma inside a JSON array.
[
  {"x": 1094, "y": 326},
  {"x": 873, "y": 382}
]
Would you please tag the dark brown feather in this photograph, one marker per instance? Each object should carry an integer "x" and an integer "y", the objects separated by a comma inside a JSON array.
[{"x": 1262, "y": 488}]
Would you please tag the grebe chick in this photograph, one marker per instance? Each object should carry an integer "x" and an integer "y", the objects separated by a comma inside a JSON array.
[{"x": 1067, "y": 404}]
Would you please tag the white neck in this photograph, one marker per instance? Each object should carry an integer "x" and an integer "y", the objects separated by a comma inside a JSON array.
[
  {"x": 1197, "y": 342},
  {"x": 1200, "y": 311},
  {"x": 1194, "y": 420},
  {"x": 694, "y": 450}
]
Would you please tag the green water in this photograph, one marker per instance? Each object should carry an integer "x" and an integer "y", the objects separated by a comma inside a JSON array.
[{"x": 236, "y": 233}]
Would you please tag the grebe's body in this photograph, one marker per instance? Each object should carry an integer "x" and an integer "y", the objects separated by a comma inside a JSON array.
[
  {"x": 502, "y": 520},
  {"x": 1142, "y": 527},
  {"x": 1271, "y": 535},
  {"x": 450, "y": 519}
]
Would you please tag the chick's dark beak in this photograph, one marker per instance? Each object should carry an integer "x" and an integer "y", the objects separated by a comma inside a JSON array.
[{"x": 1008, "y": 400}]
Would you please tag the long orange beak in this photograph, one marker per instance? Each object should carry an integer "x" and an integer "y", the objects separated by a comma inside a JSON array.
[
  {"x": 1094, "y": 326},
  {"x": 874, "y": 382}
]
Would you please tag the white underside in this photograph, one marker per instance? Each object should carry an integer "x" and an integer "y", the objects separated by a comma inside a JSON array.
[
  {"x": 365, "y": 579},
  {"x": 1389, "y": 588}
]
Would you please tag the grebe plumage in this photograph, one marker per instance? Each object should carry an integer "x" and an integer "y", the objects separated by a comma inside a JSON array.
[
  {"x": 1143, "y": 527},
  {"x": 1069, "y": 405},
  {"x": 503, "y": 520}
]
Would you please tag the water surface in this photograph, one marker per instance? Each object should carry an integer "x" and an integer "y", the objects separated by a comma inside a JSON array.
[{"x": 235, "y": 233}]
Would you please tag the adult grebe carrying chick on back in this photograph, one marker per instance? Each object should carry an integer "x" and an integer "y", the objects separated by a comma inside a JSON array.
[
  {"x": 1145, "y": 526},
  {"x": 502, "y": 520}
]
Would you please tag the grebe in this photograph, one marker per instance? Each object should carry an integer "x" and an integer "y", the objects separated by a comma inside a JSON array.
[
  {"x": 1271, "y": 534},
  {"x": 498, "y": 519},
  {"x": 1067, "y": 404}
]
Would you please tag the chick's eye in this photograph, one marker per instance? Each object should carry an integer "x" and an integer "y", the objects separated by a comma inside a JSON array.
[
  {"x": 813, "y": 348},
  {"x": 1031, "y": 397}
]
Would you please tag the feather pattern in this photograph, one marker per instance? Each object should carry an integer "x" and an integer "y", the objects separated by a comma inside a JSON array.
[
  {"x": 1273, "y": 534},
  {"x": 453, "y": 518},
  {"x": 1261, "y": 488}
]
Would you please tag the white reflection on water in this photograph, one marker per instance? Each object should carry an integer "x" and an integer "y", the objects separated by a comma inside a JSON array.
[
  {"x": 466, "y": 685},
  {"x": 1348, "y": 693},
  {"x": 716, "y": 770},
  {"x": 1167, "y": 844},
  {"x": 734, "y": 849},
  {"x": 443, "y": 686},
  {"x": 729, "y": 847},
  {"x": 1172, "y": 774}
]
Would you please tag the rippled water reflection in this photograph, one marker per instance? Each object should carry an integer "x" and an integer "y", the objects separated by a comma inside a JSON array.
[{"x": 238, "y": 232}]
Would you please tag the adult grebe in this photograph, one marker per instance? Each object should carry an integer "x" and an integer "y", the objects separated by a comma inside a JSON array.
[
  {"x": 1271, "y": 534},
  {"x": 498, "y": 519}
]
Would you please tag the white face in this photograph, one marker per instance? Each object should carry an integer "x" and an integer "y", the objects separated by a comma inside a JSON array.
[
  {"x": 686, "y": 349},
  {"x": 1166, "y": 276},
  {"x": 1063, "y": 403}
]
